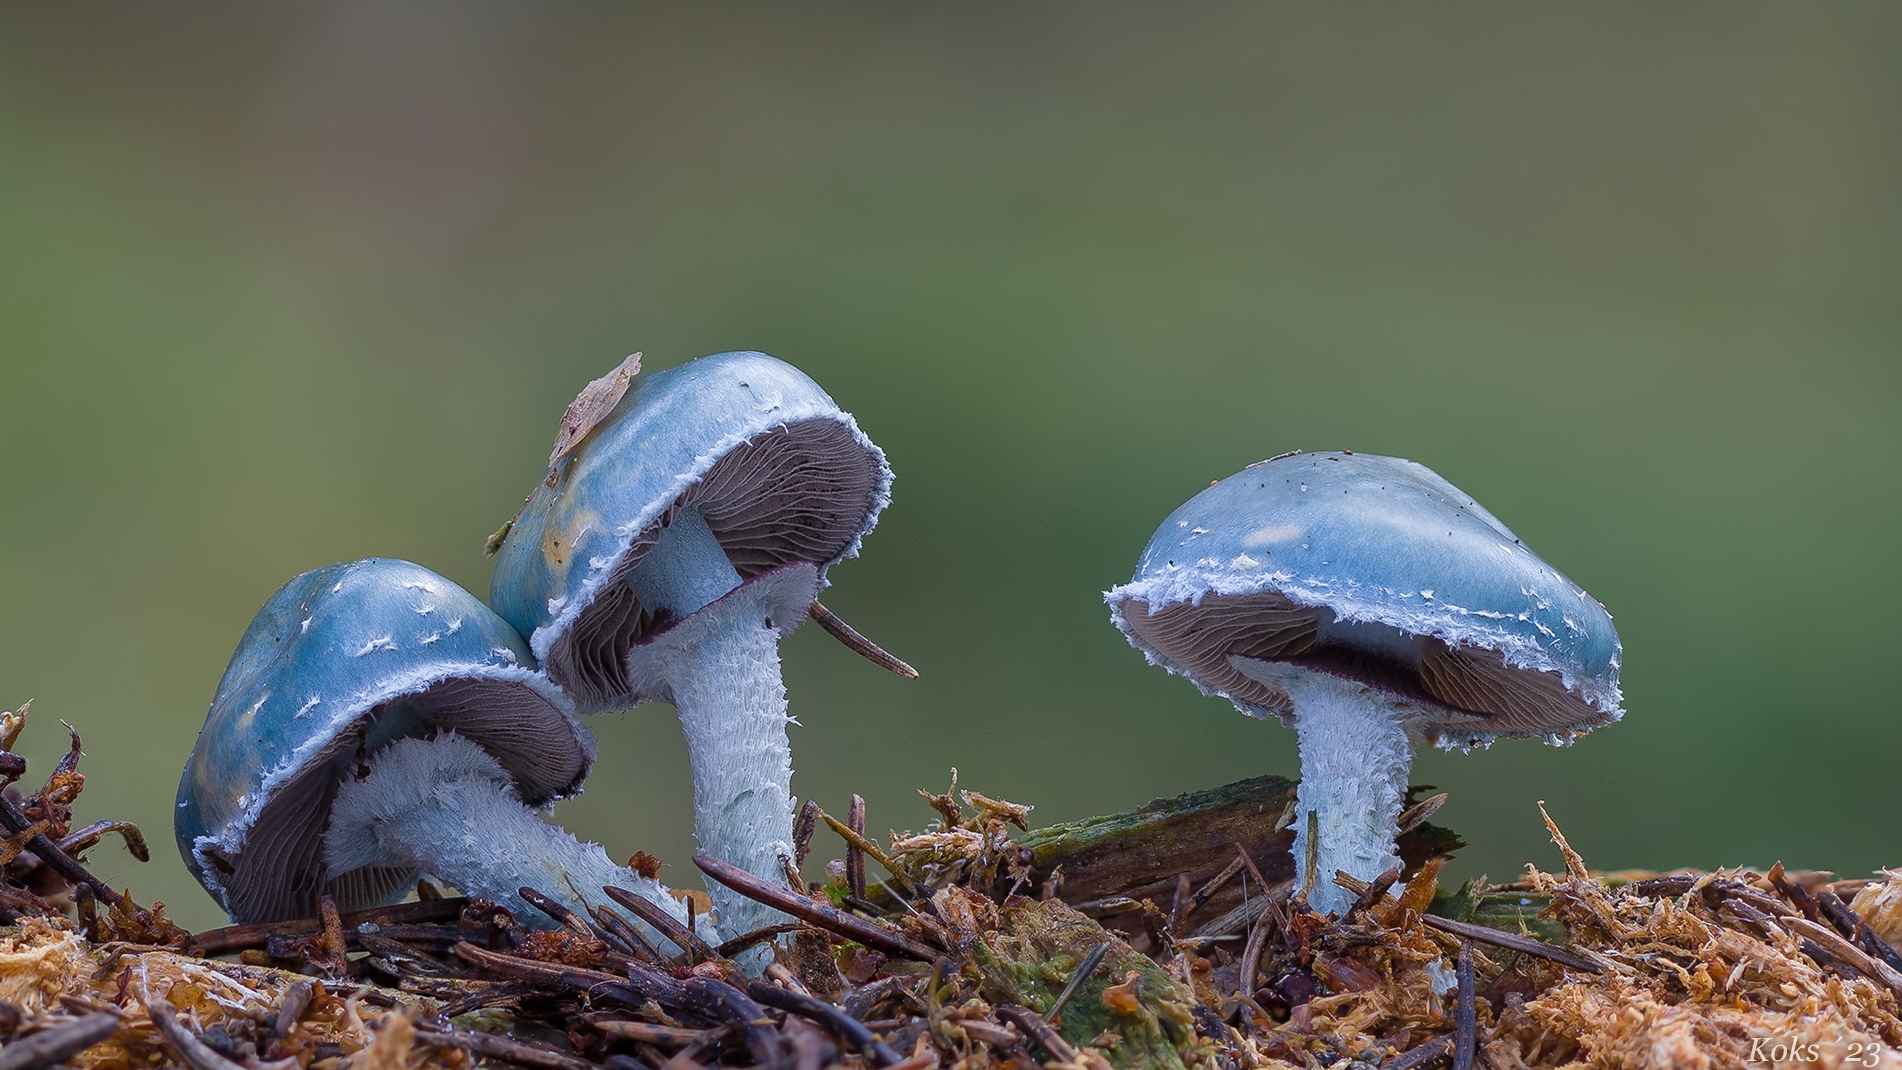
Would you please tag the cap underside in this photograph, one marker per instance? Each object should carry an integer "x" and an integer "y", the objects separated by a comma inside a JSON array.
[
  {"x": 1467, "y": 682},
  {"x": 800, "y": 492},
  {"x": 281, "y": 873}
]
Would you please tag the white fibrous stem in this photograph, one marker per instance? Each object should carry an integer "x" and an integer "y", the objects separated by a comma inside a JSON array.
[
  {"x": 721, "y": 664},
  {"x": 724, "y": 673},
  {"x": 447, "y": 807},
  {"x": 1355, "y": 756}
]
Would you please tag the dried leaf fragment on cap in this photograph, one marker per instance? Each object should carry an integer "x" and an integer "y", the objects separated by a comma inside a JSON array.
[
  {"x": 589, "y": 407},
  {"x": 582, "y": 415}
]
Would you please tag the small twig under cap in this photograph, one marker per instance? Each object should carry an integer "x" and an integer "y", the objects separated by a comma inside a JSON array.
[{"x": 857, "y": 643}]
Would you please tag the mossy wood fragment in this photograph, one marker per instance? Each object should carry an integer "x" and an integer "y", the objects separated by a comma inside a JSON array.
[
  {"x": 1504, "y": 909},
  {"x": 1036, "y": 948},
  {"x": 1138, "y": 853}
]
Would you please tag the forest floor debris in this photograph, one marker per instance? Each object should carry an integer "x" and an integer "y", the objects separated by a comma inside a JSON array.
[{"x": 1169, "y": 937}]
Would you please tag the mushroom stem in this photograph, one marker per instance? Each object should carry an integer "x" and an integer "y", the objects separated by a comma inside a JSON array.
[
  {"x": 722, "y": 665},
  {"x": 447, "y": 807},
  {"x": 720, "y": 662},
  {"x": 1355, "y": 756},
  {"x": 685, "y": 569}
]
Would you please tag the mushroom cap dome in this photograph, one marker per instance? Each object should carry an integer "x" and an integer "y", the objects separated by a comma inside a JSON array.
[
  {"x": 780, "y": 473},
  {"x": 338, "y": 662},
  {"x": 1377, "y": 569}
]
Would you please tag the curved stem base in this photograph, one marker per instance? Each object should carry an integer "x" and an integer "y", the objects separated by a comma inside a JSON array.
[{"x": 448, "y": 808}]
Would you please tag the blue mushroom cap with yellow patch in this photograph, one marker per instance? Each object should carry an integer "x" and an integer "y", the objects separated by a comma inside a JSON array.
[
  {"x": 340, "y": 661},
  {"x": 1376, "y": 569},
  {"x": 776, "y": 469}
]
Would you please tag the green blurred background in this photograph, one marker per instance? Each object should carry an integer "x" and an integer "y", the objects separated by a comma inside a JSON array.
[{"x": 287, "y": 284}]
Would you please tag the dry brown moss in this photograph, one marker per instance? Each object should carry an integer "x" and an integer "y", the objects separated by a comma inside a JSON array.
[{"x": 1728, "y": 969}]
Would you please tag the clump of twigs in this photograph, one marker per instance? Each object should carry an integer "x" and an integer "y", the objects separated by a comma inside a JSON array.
[
  {"x": 42, "y": 872},
  {"x": 1169, "y": 937}
]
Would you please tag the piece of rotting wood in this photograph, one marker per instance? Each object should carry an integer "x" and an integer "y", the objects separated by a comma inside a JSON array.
[
  {"x": 628, "y": 934},
  {"x": 476, "y": 995},
  {"x": 662, "y": 922},
  {"x": 557, "y": 910},
  {"x": 194, "y": 1052},
  {"x": 1371, "y": 893},
  {"x": 777, "y": 973},
  {"x": 253, "y": 935},
  {"x": 1740, "y": 911},
  {"x": 803, "y": 1041},
  {"x": 1001, "y": 1037},
  {"x": 336, "y": 949},
  {"x": 1036, "y": 1028},
  {"x": 842, "y": 1025},
  {"x": 860, "y": 1003},
  {"x": 87, "y": 908},
  {"x": 791, "y": 873},
  {"x": 403, "y": 958},
  {"x": 1251, "y": 958},
  {"x": 14, "y": 820},
  {"x": 712, "y": 998},
  {"x": 1837, "y": 913},
  {"x": 1795, "y": 893},
  {"x": 1179, "y": 904},
  {"x": 1857, "y": 959},
  {"x": 1465, "y": 1014},
  {"x": 1269, "y": 894},
  {"x": 854, "y": 857},
  {"x": 519, "y": 1052},
  {"x": 745, "y": 941},
  {"x": 1215, "y": 883},
  {"x": 291, "y": 1009},
  {"x": 803, "y": 827},
  {"x": 1237, "y": 921},
  {"x": 649, "y": 1033},
  {"x": 1311, "y": 865},
  {"x": 640, "y": 985},
  {"x": 54, "y": 1046},
  {"x": 1761, "y": 910},
  {"x": 1855, "y": 930},
  {"x": 1136, "y": 854}
]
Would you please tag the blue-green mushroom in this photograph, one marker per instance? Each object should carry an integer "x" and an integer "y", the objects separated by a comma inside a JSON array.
[
  {"x": 666, "y": 556},
  {"x": 1374, "y": 606},
  {"x": 377, "y": 722}
]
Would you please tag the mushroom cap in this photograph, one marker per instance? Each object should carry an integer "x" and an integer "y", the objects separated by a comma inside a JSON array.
[
  {"x": 781, "y": 474},
  {"x": 340, "y": 661},
  {"x": 1376, "y": 569}
]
